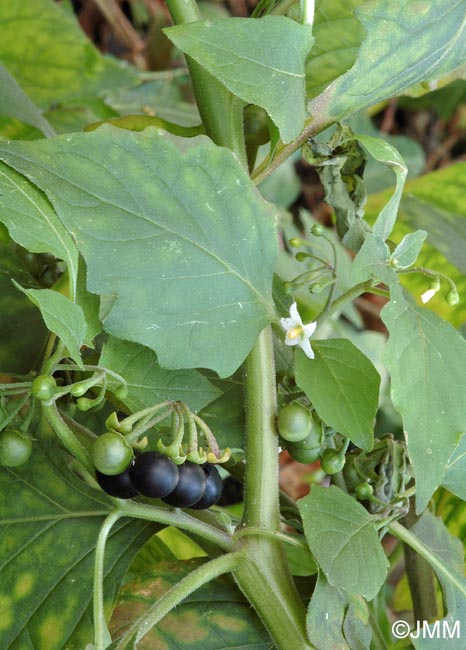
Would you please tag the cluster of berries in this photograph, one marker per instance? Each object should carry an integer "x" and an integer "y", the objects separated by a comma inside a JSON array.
[{"x": 156, "y": 476}]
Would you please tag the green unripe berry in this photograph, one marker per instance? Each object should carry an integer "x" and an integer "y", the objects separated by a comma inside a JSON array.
[
  {"x": 317, "y": 230},
  {"x": 111, "y": 453},
  {"x": 44, "y": 387},
  {"x": 295, "y": 242},
  {"x": 294, "y": 422},
  {"x": 363, "y": 491},
  {"x": 303, "y": 455},
  {"x": 332, "y": 461},
  {"x": 15, "y": 448},
  {"x": 453, "y": 297}
]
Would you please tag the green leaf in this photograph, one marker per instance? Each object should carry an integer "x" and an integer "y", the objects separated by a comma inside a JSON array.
[
  {"x": 49, "y": 526},
  {"x": 148, "y": 383},
  {"x": 454, "y": 479},
  {"x": 20, "y": 320},
  {"x": 338, "y": 36},
  {"x": 343, "y": 540},
  {"x": 426, "y": 359},
  {"x": 63, "y": 317},
  {"x": 343, "y": 387},
  {"x": 447, "y": 230},
  {"x": 337, "y": 619},
  {"x": 446, "y": 552},
  {"x": 390, "y": 60},
  {"x": 225, "y": 414},
  {"x": 90, "y": 305},
  {"x": 377, "y": 176},
  {"x": 48, "y": 54},
  {"x": 32, "y": 222},
  {"x": 182, "y": 238},
  {"x": 372, "y": 261},
  {"x": 259, "y": 60},
  {"x": 388, "y": 155},
  {"x": 15, "y": 103},
  {"x": 215, "y": 616},
  {"x": 407, "y": 251}
]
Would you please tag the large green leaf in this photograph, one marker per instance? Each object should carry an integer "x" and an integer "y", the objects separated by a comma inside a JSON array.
[
  {"x": 259, "y": 60},
  {"x": 148, "y": 383},
  {"x": 338, "y": 35},
  {"x": 448, "y": 553},
  {"x": 343, "y": 387},
  {"x": 181, "y": 237},
  {"x": 337, "y": 619},
  {"x": 343, "y": 540},
  {"x": 22, "y": 330},
  {"x": 49, "y": 522},
  {"x": 47, "y": 53},
  {"x": 406, "y": 43},
  {"x": 15, "y": 103},
  {"x": 63, "y": 317},
  {"x": 216, "y": 616},
  {"x": 426, "y": 358}
]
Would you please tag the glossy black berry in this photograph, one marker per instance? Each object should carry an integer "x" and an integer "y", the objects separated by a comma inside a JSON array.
[
  {"x": 154, "y": 475},
  {"x": 213, "y": 488},
  {"x": 190, "y": 487},
  {"x": 118, "y": 485}
]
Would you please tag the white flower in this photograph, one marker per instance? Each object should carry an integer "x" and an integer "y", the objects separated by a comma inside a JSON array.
[
  {"x": 297, "y": 333},
  {"x": 427, "y": 295}
]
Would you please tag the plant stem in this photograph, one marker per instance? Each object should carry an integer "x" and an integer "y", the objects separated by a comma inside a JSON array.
[
  {"x": 175, "y": 517},
  {"x": 312, "y": 127},
  {"x": 102, "y": 637},
  {"x": 220, "y": 110},
  {"x": 261, "y": 505},
  {"x": 403, "y": 534},
  {"x": 348, "y": 296},
  {"x": 421, "y": 578},
  {"x": 264, "y": 577},
  {"x": 174, "y": 596}
]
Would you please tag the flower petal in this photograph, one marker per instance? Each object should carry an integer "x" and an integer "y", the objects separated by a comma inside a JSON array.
[
  {"x": 295, "y": 315},
  {"x": 306, "y": 348},
  {"x": 292, "y": 341},
  {"x": 287, "y": 323},
  {"x": 310, "y": 328}
]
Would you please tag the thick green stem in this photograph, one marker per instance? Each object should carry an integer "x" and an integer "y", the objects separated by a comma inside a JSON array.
[
  {"x": 261, "y": 504},
  {"x": 264, "y": 577},
  {"x": 180, "y": 591},
  {"x": 421, "y": 578},
  {"x": 220, "y": 110}
]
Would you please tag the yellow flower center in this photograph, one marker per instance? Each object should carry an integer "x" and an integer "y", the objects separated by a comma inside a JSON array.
[{"x": 295, "y": 333}]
